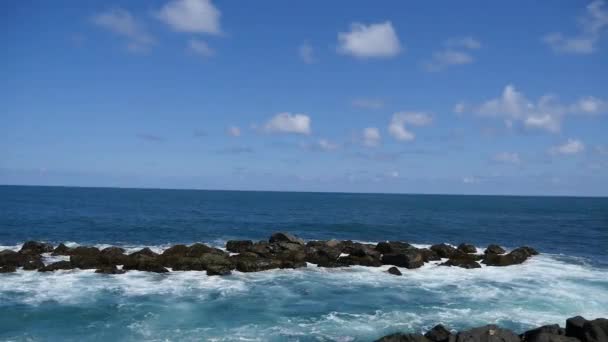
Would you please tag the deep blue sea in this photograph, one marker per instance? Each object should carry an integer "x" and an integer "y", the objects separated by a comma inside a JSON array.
[{"x": 312, "y": 304}]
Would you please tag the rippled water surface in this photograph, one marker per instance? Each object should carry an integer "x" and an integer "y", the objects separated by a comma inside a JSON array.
[{"x": 311, "y": 304}]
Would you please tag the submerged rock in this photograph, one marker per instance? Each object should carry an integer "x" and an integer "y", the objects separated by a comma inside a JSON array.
[
  {"x": 8, "y": 269},
  {"x": 394, "y": 271},
  {"x": 110, "y": 270}
]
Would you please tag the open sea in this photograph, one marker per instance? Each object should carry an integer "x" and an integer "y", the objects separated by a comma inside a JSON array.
[{"x": 569, "y": 278}]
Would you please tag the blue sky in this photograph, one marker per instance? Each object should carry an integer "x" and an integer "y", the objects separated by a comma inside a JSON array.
[{"x": 410, "y": 97}]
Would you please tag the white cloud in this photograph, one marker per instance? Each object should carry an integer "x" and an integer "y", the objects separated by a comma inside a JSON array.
[
  {"x": 121, "y": 22},
  {"x": 368, "y": 103},
  {"x": 289, "y": 123},
  {"x": 371, "y": 136},
  {"x": 470, "y": 180},
  {"x": 592, "y": 24},
  {"x": 323, "y": 145},
  {"x": 397, "y": 128},
  {"x": 507, "y": 158},
  {"x": 234, "y": 131},
  {"x": 194, "y": 16},
  {"x": 307, "y": 53},
  {"x": 393, "y": 174},
  {"x": 545, "y": 114},
  {"x": 370, "y": 41},
  {"x": 456, "y": 51},
  {"x": 201, "y": 48},
  {"x": 459, "y": 108},
  {"x": 572, "y": 146}
]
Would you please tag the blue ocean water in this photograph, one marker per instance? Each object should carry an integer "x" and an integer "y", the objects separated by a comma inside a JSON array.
[{"x": 311, "y": 304}]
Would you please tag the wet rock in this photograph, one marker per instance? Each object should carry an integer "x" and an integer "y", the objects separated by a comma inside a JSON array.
[
  {"x": 322, "y": 254},
  {"x": 443, "y": 250},
  {"x": 411, "y": 258},
  {"x": 428, "y": 255},
  {"x": 488, "y": 333},
  {"x": 145, "y": 252},
  {"x": 112, "y": 256},
  {"x": 390, "y": 247},
  {"x": 286, "y": 237},
  {"x": 85, "y": 251},
  {"x": 16, "y": 259},
  {"x": 546, "y": 337},
  {"x": 463, "y": 263},
  {"x": 394, "y": 271},
  {"x": 59, "y": 265},
  {"x": 587, "y": 331},
  {"x": 439, "y": 333},
  {"x": 516, "y": 256},
  {"x": 238, "y": 246},
  {"x": 292, "y": 264},
  {"x": 467, "y": 248},
  {"x": 62, "y": 250},
  {"x": 33, "y": 264},
  {"x": 256, "y": 264},
  {"x": 35, "y": 247},
  {"x": 366, "y": 260},
  {"x": 188, "y": 264},
  {"x": 494, "y": 249},
  {"x": 85, "y": 262},
  {"x": 144, "y": 263},
  {"x": 547, "y": 333},
  {"x": 400, "y": 337},
  {"x": 110, "y": 270},
  {"x": 8, "y": 269},
  {"x": 218, "y": 270},
  {"x": 198, "y": 249}
]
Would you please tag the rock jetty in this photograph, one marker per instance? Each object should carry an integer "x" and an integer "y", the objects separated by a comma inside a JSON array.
[
  {"x": 281, "y": 250},
  {"x": 577, "y": 329}
]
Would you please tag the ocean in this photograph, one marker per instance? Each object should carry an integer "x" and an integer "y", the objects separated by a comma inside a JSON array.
[{"x": 309, "y": 304}]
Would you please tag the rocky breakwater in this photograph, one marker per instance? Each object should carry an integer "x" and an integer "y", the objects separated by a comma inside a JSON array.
[
  {"x": 577, "y": 329},
  {"x": 281, "y": 250}
]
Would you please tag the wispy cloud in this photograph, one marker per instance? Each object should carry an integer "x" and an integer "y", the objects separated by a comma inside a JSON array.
[
  {"x": 456, "y": 51},
  {"x": 200, "y": 48},
  {"x": 592, "y": 25},
  {"x": 570, "y": 147},
  {"x": 307, "y": 53},
  {"x": 371, "y": 137},
  {"x": 367, "y": 103},
  {"x": 150, "y": 137},
  {"x": 234, "y": 131},
  {"x": 122, "y": 23},
  {"x": 507, "y": 158},
  {"x": 397, "y": 128},
  {"x": 235, "y": 150}
]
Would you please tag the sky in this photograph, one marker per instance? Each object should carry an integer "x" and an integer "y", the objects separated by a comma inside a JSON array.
[{"x": 446, "y": 97}]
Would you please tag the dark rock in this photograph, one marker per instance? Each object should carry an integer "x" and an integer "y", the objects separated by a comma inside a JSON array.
[
  {"x": 8, "y": 269},
  {"x": 188, "y": 264},
  {"x": 256, "y": 264},
  {"x": 263, "y": 249},
  {"x": 443, "y": 250},
  {"x": 62, "y": 250},
  {"x": 85, "y": 261},
  {"x": 322, "y": 254},
  {"x": 112, "y": 256},
  {"x": 400, "y": 337},
  {"x": 439, "y": 333},
  {"x": 198, "y": 249},
  {"x": 428, "y": 255},
  {"x": 366, "y": 260},
  {"x": 467, "y": 248},
  {"x": 144, "y": 263},
  {"x": 109, "y": 270},
  {"x": 145, "y": 252},
  {"x": 59, "y": 265},
  {"x": 218, "y": 270},
  {"x": 531, "y": 335},
  {"x": 35, "y": 247},
  {"x": 12, "y": 258},
  {"x": 362, "y": 250},
  {"x": 292, "y": 264},
  {"x": 488, "y": 333},
  {"x": 390, "y": 247},
  {"x": 494, "y": 249},
  {"x": 547, "y": 337},
  {"x": 411, "y": 258},
  {"x": 516, "y": 256},
  {"x": 394, "y": 271},
  {"x": 574, "y": 327},
  {"x": 463, "y": 263},
  {"x": 286, "y": 237},
  {"x": 33, "y": 264},
  {"x": 238, "y": 246},
  {"x": 595, "y": 330},
  {"x": 112, "y": 251},
  {"x": 85, "y": 251},
  {"x": 177, "y": 250}
]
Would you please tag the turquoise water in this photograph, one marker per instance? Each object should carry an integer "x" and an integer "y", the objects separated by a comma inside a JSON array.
[{"x": 311, "y": 304}]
